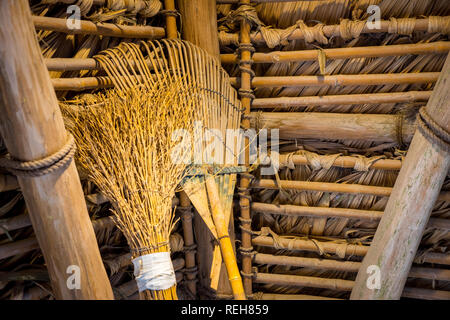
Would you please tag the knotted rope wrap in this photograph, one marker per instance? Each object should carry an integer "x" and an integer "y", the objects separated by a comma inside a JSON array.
[
  {"x": 433, "y": 131},
  {"x": 403, "y": 26},
  {"x": 439, "y": 25},
  {"x": 154, "y": 271},
  {"x": 36, "y": 168},
  {"x": 351, "y": 29}
]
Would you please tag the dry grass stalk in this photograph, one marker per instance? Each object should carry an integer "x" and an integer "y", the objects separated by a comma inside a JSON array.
[{"x": 126, "y": 146}]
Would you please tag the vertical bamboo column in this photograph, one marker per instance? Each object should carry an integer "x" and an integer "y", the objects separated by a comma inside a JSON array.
[
  {"x": 185, "y": 204},
  {"x": 32, "y": 128},
  {"x": 409, "y": 207},
  {"x": 171, "y": 19},
  {"x": 200, "y": 28},
  {"x": 246, "y": 100}
]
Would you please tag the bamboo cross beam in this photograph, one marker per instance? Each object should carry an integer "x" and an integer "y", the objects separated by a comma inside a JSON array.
[
  {"x": 333, "y": 187},
  {"x": 320, "y": 125},
  {"x": 339, "y": 285},
  {"x": 346, "y": 266},
  {"x": 412, "y": 199},
  {"x": 328, "y": 31},
  {"x": 32, "y": 128},
  {"x": 344, "y": 99},
  {"x": 74, "y": 64},
  {"x": 438, "y": 47},
  {"x": 332, "y": 247},
  {"x": 342, "y": 80},
  {"x": 330, "y": 212},
  {"x": 99, "y": 29}
]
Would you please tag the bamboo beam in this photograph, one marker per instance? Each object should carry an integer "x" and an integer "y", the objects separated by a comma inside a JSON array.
[
  {"x": 344, "y": 53},
  {"x": 380, "y": 128},
  {"x": 344, "y": 99},
  {"x": 342, "y": 80},
  {"x": 272, "y": 296},
  {"x": 328, "y": 31},
  {"x": 409, "y": 207},
  {"x": 32, "y": 128},
  {"x": 342, "y": 161},
  {"x": 99, "y": 29},
  {"x": 74, "y": 64},
  {"x": 332, "y": 247},
  {"x": 333, "y": 187},
  {"x": 346, "y": 266},
  {"x": 341, "y": 285}
]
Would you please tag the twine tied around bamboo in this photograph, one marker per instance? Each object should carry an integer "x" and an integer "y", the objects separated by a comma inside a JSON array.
[
  {"x": 439, "y": 25},
  {"x": 432, "y": 131},
  {"x": 351, "y": 29},
  {"x": 403, "y": 26},
  {"x": 36, "y": 168}
]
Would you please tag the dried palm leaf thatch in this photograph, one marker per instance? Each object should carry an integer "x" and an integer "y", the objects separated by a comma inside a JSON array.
[
  {"x": 212, "y": 179},
  {"x": 125, "y": 143}
]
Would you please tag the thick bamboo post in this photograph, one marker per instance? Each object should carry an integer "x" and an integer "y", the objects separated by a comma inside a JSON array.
[
  {"x": 171, "y": 19},
  {"x": 410, "y": 204},
  {"x": 200, "y": 28},
  {"x": 32, "y": 128}
]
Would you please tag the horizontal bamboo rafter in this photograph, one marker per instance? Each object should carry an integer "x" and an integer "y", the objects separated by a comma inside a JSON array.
[
  {"x": 333, "y": 247},
  {"x": 340, "y": 285},
  {"x": 343, "y": 53},
  {"x": 342, "y": 80},
  {"x": 101, "y": 29},
  {"x": 342, "y": 161},
  {"x": 347, "y": 266},
  {"x": 344, "y": 99},
  {"x": 75, "y": 64},
  {"x": 349, "y": 188},
  {"x": 327, "y": 212},
  {"x": 328, "y": 30}
]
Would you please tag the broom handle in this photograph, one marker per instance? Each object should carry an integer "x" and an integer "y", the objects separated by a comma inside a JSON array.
[{"x": 224, "y": 239}]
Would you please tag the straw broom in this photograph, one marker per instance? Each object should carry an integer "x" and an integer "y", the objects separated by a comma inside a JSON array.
[
  {"x": 209, "y": 186},
  {"x": 125, "y": 144}
]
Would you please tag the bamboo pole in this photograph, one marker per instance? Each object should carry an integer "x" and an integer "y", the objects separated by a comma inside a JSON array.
[
  {"x": 332, "y": 247},
  {"x": 246, "y": 101},
  {"x": 341, "y": 285},
  {"x": 380, "y": 128},
  {"x": 345, "y": 99},
  {"x": 344, "y": 53},
  {"x": 224, "y": 239},
  {"x": 99, "y": 29},
  {"x": 332, "y": 187},
  {"x": 328, "y": 31},
  {"x": 346, "y": 266},
  {"x": 189, "y": 243},
  {"x": 327, "y": 212},
  {"x": 342, "y": 161},
  {"x": 273, "y": 296},
  {"x": 171, "y": 19},
  {"x": 342, "y": 80},
  {"x": 32, "y": 128},
  {"x": 74, "y": 64},
  {"x": 409, "y": 207}
]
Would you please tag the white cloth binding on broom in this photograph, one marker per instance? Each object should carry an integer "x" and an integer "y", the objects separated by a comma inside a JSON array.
[{"x": 154, "y": 271}]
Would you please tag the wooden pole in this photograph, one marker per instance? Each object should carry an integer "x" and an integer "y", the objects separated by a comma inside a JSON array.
[
  {"x": 344, "y": 99},
  {"x": 321, "y": 125},
  {"x": 344, "y": 53},
  {"x": 99, "y": 29},
  {"x": 200, "y": 27},
  {"x": 328, "y": 31},
  {"x": 32, "y": 128},
  {"x": 409, "y": 207},
  {"x": 342, "y": 80}
]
